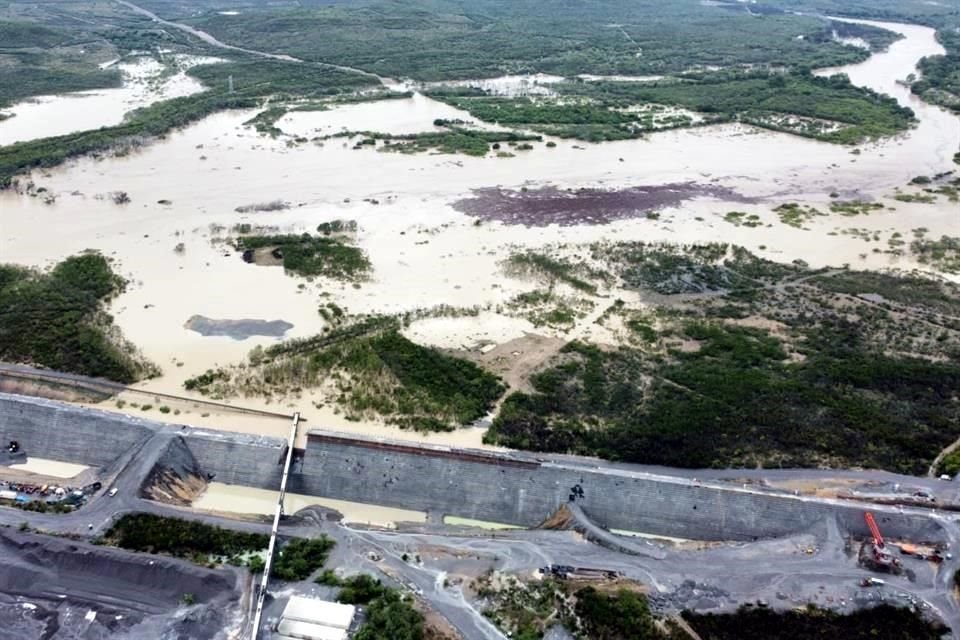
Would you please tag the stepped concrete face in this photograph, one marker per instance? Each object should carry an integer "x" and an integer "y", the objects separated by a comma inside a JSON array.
[{"x": 515, "y": 488}]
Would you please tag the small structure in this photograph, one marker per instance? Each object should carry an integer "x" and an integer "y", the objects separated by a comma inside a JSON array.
[{"x": 313, "y": 619}]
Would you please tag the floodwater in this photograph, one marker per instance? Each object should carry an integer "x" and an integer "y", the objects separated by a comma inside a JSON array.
[
  {"x": 247, "y": 500},
  {"x": 51, "y": 468},
  {"x": 143, "y": 84},
  {"x": 424, "y": 252},
  {"x": 407, "y": 115},
  {"x": 479, "y": 524}
]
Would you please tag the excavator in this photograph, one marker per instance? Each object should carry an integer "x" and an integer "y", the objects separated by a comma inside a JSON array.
[{"x": 878, "y": 557}]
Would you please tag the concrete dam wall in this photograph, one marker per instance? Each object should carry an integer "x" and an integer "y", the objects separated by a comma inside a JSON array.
[
  {"x": 510, "y": 488},
  {"x": 56, "y": 431},
  {"x": 520, "y": 490}
]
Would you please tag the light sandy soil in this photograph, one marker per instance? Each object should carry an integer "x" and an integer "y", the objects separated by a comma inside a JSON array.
[{"x": 425, "y": 253}]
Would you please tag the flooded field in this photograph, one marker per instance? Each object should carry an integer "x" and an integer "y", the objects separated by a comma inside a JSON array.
[
  {"x": 168, "y": 241},
  {"x": 246, "y": 500},
  {"x": 145, "y": 81}
]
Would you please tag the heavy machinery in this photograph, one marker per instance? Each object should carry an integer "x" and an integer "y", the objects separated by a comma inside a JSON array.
[{"x": 874, "y": 553}]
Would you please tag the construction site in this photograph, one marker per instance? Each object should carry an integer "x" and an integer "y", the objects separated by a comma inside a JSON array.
[{"x": 705, "y": 540}]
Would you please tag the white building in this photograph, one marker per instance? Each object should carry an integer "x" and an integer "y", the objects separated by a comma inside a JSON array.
[{"x": 313, "y": 619}]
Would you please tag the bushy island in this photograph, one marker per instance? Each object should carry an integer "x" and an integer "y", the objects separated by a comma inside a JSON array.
[
  {"x": 752, "y": 363},
  {"x": 57, "y": 319},
  {"x": 829, "y": 109}
]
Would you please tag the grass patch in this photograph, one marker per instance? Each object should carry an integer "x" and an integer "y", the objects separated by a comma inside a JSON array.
[{"x": 56, "y": 319}]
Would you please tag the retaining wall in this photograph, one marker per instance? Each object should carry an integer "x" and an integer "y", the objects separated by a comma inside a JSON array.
[
  {"x": 66, "y": 433},
  {"x": 514, "y": 489},
  {"x": 520, "y": 490}
]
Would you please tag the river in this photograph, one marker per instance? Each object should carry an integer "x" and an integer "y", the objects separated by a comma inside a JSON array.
[{"x": 185, "y": 189}]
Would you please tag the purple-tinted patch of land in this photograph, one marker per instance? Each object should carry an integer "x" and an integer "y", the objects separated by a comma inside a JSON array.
[{"x": 550, "y": 205}]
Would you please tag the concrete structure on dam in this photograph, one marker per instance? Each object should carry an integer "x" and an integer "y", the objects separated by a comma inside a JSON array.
[{"x": 509, "y": 488}]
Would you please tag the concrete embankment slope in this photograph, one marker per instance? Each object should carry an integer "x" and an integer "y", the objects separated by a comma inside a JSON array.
[
  {"x": 521, "y": 490},
  {"x": 510, "y": 488}
]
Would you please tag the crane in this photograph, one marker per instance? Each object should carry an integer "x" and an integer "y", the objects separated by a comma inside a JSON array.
[{"x": 874, "y": 530}]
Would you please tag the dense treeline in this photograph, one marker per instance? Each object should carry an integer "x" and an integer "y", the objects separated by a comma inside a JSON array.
[
  {"x": 181, "y": 538},
  {"x": 483, "y": 38},
  {"x": 56, "y": 319}
]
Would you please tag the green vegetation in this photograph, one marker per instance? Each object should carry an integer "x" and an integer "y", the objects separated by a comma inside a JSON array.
[
  {"x": 454, "y": 139},
  {"x": 56, "y": 319},
  {"x": 761, "y": 623},
  {"x": 829, "y": 109},
  {"x": 360, "y": 589},
  {"x": 940, "y": 83},
  {"x": 585, "y": 119},
  {"x": 831, "y": 379},
  {"x": 254, "y": 81},
  {"x": 391, "y": 617},
  {"x": 526, "y": 610},
  {"x": 942, "y": 254},
  {"x": 279, "y": 79},
  {"x": 39, "y": 60},
  {"x": 377, "y": 372},
  {"x": 307, "y": 255},
  {"x": 540, "y": 265},
  {"x": 460, "y": 39},
  {"x": 854, "y": 207},
  {"x": 796, "y": 215},
  {"x": 155, "y": 120},
  {"x": 181, "y": 538},
  {"x": 742, "y": 218},
  {"x": 299, "y": 558}
]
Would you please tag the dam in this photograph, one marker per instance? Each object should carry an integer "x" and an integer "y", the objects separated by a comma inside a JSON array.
[{"x": 511, "y": 488}]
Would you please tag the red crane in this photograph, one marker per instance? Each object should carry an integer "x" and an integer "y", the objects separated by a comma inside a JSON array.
[{"x": 874, "y": 529}]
